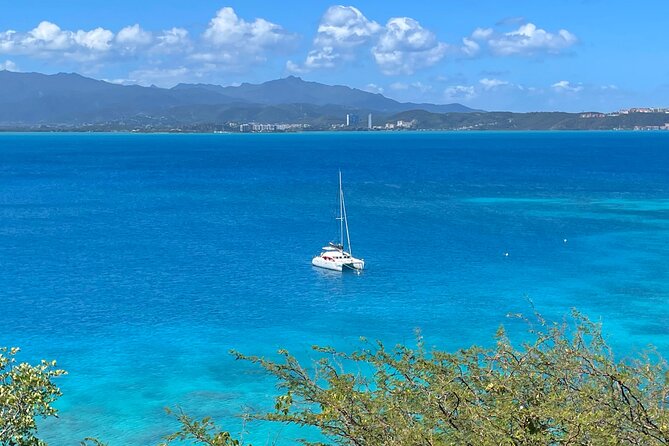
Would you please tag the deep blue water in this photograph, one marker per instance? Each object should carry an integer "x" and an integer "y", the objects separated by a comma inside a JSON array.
[{"x": 139, "y": 261}]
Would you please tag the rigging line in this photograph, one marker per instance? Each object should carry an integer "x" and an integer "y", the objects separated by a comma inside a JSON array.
[
  {"x": 348, "y": 237},
  {"x": 341, "y": 213}
]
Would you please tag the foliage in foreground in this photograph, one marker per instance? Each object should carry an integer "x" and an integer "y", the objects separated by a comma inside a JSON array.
[
  {"x": 26, "y": 392},
  {"x": 562, "y": 388}
]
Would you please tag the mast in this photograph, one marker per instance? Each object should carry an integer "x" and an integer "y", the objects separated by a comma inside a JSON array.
[
  {"x": 348, "y": 237},
  {"x": 341, "y": 213}
]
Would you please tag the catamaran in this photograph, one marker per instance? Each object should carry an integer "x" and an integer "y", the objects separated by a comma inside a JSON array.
[{"x": 334, "y": 256}]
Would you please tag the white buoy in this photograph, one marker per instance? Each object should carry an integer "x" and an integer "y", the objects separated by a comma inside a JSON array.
[
  {"x": 565, "y": 240},
  {"x": 506, "y": 254}
]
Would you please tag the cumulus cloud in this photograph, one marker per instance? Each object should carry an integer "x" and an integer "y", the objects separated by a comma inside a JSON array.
[
  {"x": 470, "y": 47},
  {"x": 527, "y": 40},
  {"x": 233, "y": 40},
  {"x": 132, "y": 38},
  {"x": 324, "y": 57},
  {"x": 496, "y": 94},
  {"x": 341, "y": 30},
  {"x": 459, "y": 92},
  {"x": 402, "y": 46},
  {"x": 48, "y": 39},
  {"x": 8, "y": 65},
  {"x": 173, "y": 40},
  {"x": 566, "y": 86},
  {"x": 482, "y": 33},
  {"x": 491, "y": 84},
  {"x": 345, "y": 26},
  {"x": 405, "y": 46},
  {"x": 228, "y": 43},
  {"x": 227, "y": 29}
]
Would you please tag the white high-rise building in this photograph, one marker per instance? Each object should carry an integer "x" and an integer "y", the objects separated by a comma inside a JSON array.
[
  {"x": 348, "y": 120},
  {"x": 369, "y": 121}
]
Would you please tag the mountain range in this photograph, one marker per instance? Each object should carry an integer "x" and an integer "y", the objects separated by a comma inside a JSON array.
[{"x": 69, "y": 99}]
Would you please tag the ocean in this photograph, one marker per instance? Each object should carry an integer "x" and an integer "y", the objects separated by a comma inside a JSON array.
[{"x": 139, "y": 261}]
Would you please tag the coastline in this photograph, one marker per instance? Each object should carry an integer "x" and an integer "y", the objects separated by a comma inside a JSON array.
[{"x": 321, "y": 132}]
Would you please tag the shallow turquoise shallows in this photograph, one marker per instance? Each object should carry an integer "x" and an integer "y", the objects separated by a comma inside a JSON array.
[{"x": 139, "y": 261}]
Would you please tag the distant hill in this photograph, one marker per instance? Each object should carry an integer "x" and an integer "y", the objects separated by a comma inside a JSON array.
[
  {"x": 30, "y": 99},
  {"x": 531, "y": 121},
  {"x": 33, "y": 101},
  {"x": 293, "y": 89},
  {"x": 33, "y": 98}
]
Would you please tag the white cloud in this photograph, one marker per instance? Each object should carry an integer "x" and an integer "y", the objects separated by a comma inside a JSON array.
[
  {"x": 398, "y": 86},
  {"x": 48, "y": 39},
  {"x": 295, "y": 68},
  {"x": 482, "y": 33},
  {"x": 133, "y": 37},
  {"x": 528, "y": 39},
  {"x": 491, "y": 84},
  {"x": 47, "y": 36},
  {"x": 233, "y": 40},
  {"x": 121, "y": 81},
  {"x": 8, "y": 65},
  {"x": 373, "y": 88},
  {"x": 402, "y": 46},
  {"x": 342, "y": 29},
  {"x": 7, "y": 41},
  {"x": 470, "y": 47},
  {"x": 405, "y": 46},
  {"x": 423, "y": 88},
  {"x": 173, "y": 40},
  {"x": 324, "y": 57},
  {"x": 566, "y": 86},
  {"x": 163, "y": 77},
  {"x": 98, "y": 39},
  {"x": 345, "y": 26},
  {"x": 229, "y": 43},
  {"x": 459, "y": 92},
  {"x": 609, "y": 87}
]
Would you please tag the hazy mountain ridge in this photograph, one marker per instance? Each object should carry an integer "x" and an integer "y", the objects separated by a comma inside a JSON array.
[
  {"x": 70, "y": 99},
  {"x": 33, "y": 101},
  {"x": 296, "y": 90}
]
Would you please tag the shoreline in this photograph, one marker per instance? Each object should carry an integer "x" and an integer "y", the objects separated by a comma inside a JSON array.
[{"x": 338, "y": 132}]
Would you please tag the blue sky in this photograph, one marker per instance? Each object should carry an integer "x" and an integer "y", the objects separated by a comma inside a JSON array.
[{"x": 517, "y": 55}]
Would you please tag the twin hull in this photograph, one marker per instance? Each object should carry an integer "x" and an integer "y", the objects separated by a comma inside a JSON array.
[{"x": 352, "y": 263}]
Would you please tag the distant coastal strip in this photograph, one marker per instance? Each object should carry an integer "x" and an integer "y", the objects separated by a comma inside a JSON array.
[{"x": 70, "y": 102}]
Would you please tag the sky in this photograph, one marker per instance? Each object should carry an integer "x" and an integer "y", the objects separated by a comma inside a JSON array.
[{"x": 516, "y": 55}]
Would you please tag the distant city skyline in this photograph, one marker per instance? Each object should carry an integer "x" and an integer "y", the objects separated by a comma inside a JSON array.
[{"x": 575, "y": 55}]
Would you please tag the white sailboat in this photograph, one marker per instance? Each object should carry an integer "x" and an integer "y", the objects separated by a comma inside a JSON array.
[{"x": 334, "y": 256}]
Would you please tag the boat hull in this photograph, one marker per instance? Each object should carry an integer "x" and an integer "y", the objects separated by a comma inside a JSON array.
[
  {"x": 354, "y": 265},
  {"x": 357, "y": 265},
  {"x": 320, "y": 262}
]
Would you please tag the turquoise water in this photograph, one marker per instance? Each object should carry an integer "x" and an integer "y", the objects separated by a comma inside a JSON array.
[{"x": 139, "y": 261}]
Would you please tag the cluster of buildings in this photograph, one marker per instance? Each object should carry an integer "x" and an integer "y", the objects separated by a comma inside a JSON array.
[
  {"x": 400, "y": 125},
  {"x": 643, "y": 110},
  {"x": 626, "y": 111},
  {"x": 352, "y": 122},
  {"x": 254, "y": 127},
  {"x": 652, "y": 127}
]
